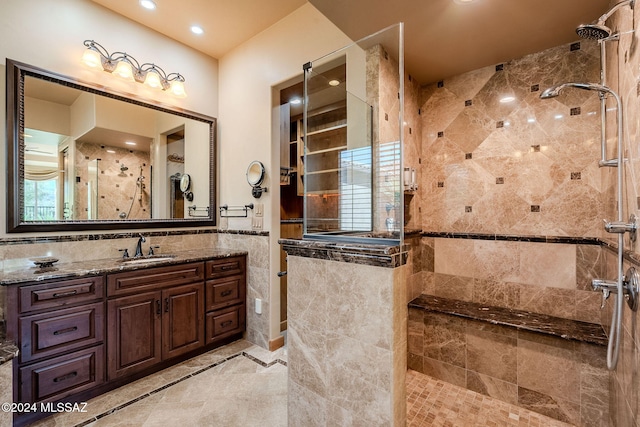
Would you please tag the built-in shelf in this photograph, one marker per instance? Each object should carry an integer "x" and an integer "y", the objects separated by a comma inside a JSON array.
[
  {"x": 327, "y": 150},
  {"x": 323, "y": 171},
  {"x": 327, "y": 129}
]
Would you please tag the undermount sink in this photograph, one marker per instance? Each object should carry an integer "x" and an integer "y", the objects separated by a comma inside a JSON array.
[{"x": 147, "y": 259}]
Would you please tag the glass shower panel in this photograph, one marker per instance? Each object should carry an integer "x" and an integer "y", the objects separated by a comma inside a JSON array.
[{"x": 352, "y": 141}]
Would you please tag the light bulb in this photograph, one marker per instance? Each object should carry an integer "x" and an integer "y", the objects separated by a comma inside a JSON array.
[
  {"x": 153, "y": 80},
  {"x": 177, "y": 89},
  {"x": 123, "y": 69},
  {"x": 91, "y": 58}
]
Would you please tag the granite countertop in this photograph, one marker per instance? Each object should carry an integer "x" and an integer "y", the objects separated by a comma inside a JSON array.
[
  {"x": 60, "y": 270},
  {"x": 380, "y": 255},
  {"x": 524, "y": 320}
]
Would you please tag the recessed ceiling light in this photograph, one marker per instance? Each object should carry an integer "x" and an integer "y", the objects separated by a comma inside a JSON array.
[
  {"x": 334, "y": 82},
  {"x": 196, "y": 29},
  {"x": 295, "y": 101},
  {"x": 148, "y": 4},
  {"x": 130, "y": 143}
]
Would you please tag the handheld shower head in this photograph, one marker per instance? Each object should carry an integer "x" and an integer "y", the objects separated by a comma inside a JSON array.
[{"x": 554, "y": 91}]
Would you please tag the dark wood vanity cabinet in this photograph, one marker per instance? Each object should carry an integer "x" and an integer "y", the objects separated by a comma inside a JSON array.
[
  {"x": 83, "y": 336},
  {"x": 225, "y": 298},
  {"x": 166, "y": 320},
  {"x": 60, "y": 332}
]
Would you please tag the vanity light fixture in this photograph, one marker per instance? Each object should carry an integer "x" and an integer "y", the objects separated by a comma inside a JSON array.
[{"x": 128, "y": 68}]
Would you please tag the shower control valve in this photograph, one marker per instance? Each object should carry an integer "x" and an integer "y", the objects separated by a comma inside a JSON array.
[{"x": 607, "y": 287}]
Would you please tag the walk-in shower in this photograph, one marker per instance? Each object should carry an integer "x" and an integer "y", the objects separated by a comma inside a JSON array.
[{"x": 624, "y": 284}]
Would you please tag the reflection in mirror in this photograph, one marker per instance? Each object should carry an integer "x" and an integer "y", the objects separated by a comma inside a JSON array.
[{"x": 83, "y": 159}]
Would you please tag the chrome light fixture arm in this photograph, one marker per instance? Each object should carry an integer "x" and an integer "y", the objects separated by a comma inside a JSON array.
[{"x": 148, "y": 73}]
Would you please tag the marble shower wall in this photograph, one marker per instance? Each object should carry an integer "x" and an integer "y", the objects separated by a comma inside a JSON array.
[
  {"x": 116, "y": 188},
  {"x": 347, "y": 344},
  {"x": 524, "y": 167},
  {"x": 623, "y": 76},
  {"x": 258, "y": 284}
]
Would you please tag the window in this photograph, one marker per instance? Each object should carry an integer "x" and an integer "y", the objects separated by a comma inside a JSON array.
[{"x": 40, "y": 200}]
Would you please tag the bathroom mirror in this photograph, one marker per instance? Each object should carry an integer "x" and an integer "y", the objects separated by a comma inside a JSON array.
[{"x": 81, "y": 157}]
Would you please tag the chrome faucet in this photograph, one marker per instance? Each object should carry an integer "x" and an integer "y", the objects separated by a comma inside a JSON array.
[{"x": 141, "y": 240}]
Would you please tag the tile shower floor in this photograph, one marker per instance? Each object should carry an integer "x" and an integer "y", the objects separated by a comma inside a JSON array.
[{"x": 242, "y": 385}]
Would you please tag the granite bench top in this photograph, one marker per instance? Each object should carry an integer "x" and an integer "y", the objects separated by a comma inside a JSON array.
[{"x": 521, "y": 320}]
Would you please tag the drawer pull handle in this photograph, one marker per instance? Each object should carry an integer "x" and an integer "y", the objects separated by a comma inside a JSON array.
[
  {"x": 226, "y": 293},
  {"x": 158, "y": 307},
  {"x": 166, "y": 305},
  {"x": 65, "y": 294},
  {"x": 65, "y": 377},
  {"x": 227, "y": 323},
  {"x": 65, "y": 331},
  {"x": 227, "y": 267}
]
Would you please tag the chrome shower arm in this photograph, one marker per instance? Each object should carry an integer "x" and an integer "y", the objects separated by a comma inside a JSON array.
[{"x": 616, "y": 7}]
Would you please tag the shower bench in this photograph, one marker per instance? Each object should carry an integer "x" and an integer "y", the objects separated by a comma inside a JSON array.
[{"x": 547, "y": 364}]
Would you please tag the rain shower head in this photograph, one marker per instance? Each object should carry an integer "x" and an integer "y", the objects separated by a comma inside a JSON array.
[
  {"x": 595, "y": 31},
  {"x": 554, "y": 91},
  {"x": 123, "y": 168}
]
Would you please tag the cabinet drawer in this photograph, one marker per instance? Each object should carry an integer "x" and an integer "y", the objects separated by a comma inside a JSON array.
[
  {"x": 225, "y": 267},
  {"x": 224, "y": 292},
  {"x": 225, "y": 322},
  {"x": 153, "y": 278},
  {"x": 45, "y": 334},
  {"x": 61, "y": 293},
  {"x": 59, "y": 377}
]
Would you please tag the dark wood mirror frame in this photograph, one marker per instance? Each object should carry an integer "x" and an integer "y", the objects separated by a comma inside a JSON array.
[{"x": 16, "y": 73}]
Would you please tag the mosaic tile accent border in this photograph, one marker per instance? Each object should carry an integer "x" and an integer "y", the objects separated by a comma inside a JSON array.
[
  {"x": 515, "y": 238},
  {"x": 179, "y": 380}
]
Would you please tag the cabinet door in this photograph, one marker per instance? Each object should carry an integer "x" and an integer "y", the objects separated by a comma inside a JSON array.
[
  {"x": 134, "y": 334},
  {"x": 182, "y": 320}
]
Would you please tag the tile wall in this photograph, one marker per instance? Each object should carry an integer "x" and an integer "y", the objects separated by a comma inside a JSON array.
[
  {"x": 623, "y": 65},
  {"x": 565, "y": 380},
  {"x": 346, "y": 343},
  {"x": 116, "y": 188},
  {"x": 524, "y": 167}
]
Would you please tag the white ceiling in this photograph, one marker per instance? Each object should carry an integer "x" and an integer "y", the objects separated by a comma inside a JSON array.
[
  {"x": 442, "y": 37},
  {"x": 226, "y": 23}
]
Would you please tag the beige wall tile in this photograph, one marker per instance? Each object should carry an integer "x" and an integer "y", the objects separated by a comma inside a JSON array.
[{"x": 549, "y": 369}]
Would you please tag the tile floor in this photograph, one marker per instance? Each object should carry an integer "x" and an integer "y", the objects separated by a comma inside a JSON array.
[
  {"x": 242, "y": 385},
  {"x": 431, "y": 402}
]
